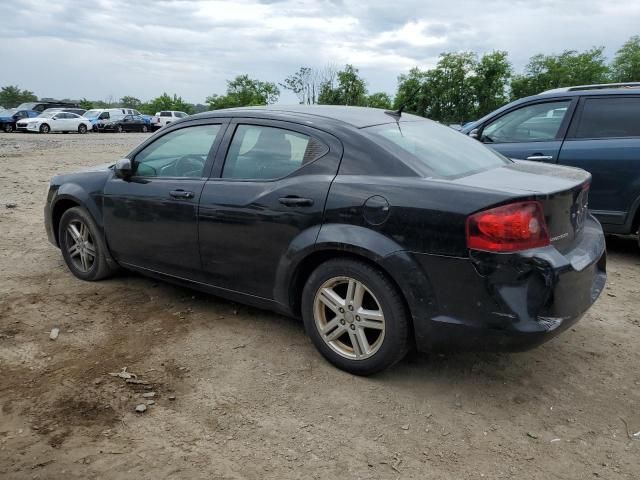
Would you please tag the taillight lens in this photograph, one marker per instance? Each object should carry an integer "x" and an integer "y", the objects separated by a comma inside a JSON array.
[{"x": 518, "y": 226}]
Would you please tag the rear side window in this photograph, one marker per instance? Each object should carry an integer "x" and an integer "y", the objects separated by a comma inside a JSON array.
[
  {"x": 267, "y": 153},
  {"x": 165, "y": 114},
  {"x": 431, "y": 149},
  {"x": 609, "y": 118}
]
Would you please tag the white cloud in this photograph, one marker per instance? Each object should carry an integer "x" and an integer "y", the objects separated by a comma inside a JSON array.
[{"x": 114, "y": 48}]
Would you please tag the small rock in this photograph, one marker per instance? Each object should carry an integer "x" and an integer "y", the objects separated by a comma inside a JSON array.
[
  {"x": 141, "y": 408},
  {"x": 405, "y": 427},
  {"x": 611, "y": 294},
  {"x": 150, "y": 402},
  {"x": 172, "y": 397},
  {"x": 149, "y": 394},
  {"x": 532, "y": 435},
  {"x": 97, "y": 381},
  {"x": 54, "y": 333},
  {"x": 11, "y": 205}
]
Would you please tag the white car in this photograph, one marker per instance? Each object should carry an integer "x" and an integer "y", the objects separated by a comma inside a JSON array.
[
  {"x": 55, "y": 122},
  {"x": 165, "y": 117}
]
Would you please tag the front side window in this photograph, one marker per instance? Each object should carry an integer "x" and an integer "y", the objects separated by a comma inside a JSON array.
[
  {"x": 181, "y": 153},
  {"x": 533, "y": 123},
  {"x": 609, "y": 118},
  {"x": 267, "y": 153}
]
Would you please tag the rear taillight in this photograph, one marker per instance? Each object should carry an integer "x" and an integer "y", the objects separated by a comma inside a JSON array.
[{"x": 518, "y": 226}]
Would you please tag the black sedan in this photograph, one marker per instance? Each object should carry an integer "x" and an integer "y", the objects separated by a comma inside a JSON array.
[
  {"x": 127, "y": 123},
  {"x": 381, "y": 230}
]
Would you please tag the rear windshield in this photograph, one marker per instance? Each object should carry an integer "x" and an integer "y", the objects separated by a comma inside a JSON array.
[{"x": 432, "y": 149}]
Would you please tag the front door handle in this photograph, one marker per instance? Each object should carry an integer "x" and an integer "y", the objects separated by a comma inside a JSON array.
[
  {"x": 181, "y": 194},
  {"x": 296, "y": 201},
  {"x": 537, "y": 157}
]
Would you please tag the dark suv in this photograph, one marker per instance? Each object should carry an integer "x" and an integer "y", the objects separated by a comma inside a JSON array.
[{"x": 594, "y": 127}]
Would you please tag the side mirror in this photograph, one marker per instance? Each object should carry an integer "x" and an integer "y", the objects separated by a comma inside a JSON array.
[
  {"x": 123, "y": 169},
  {"x": 474, "y": 134}
]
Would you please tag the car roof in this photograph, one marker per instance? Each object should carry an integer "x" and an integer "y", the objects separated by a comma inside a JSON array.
[{"x": 358, "y": 117}]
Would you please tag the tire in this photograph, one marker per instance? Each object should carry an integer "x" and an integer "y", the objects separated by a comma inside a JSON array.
[
  {"x": 84, "y": 264},
  {"x": 8, "y": 128},
  {"x": 144, "y": 129},
  {"x": 44, "y": 128},
  {"x": 82, "y": 128},
  {"x": 119, "y": 129},
  {"x": 386, "y": 336}
]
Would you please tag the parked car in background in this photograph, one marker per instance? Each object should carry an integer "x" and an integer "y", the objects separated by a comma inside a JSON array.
[
  {"x": 594, "y": 127},
  {"x": 54, "y": 122},
  {"x": 77, "y": 111},
  {"x": 42, "y": 106},
  {"x": 166, "y": 117},
  {"x": 127, "y": 123},
  {"x": 9, "y": 118},
  {"x": 380, "y": 230},
  {"x": 103, "y": 115}
]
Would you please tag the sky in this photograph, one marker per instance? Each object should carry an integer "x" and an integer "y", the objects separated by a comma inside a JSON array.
[{"x": 106, "y": 49}]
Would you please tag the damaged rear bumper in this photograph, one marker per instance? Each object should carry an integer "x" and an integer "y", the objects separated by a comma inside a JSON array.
[{"x": 508, "y": 302}]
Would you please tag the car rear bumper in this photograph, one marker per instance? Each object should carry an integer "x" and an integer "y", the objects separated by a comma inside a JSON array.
[{"x": 505, "y": 302}]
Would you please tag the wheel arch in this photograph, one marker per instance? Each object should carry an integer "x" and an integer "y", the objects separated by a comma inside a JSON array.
[{"x": 69, "y": 196}]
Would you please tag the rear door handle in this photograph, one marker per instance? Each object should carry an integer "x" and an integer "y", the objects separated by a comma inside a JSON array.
[
  {"x": 296, "y": 201},
  {"x": 537, "y": 157},
  {"x": 181, "y": 194}
]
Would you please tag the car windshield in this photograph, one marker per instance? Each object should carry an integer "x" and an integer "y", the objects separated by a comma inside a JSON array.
[
  {"x": 27, "y": 106},
  {"x": 91, "y": 113},
  {"x": 432, "y": 149},
  {"x": 47, "y": 114}
]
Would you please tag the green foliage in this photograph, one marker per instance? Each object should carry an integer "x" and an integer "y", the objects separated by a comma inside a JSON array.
[
  {"x": 349, "y": 88},
  {"x": 130, "y": 102},
  {"x": 544, "y": 72},
  {"x": 86, "y": 104},
  {"x": 458, "y": 89},
  {"x": 166, "y": 102},
  {"x": 303, "y": 84},
  {"x": 243, "y": 92},
  {"x": 626, "y": 63},
  {"x": 379, "y": 100},
  {"x": 11, "y": 96}
]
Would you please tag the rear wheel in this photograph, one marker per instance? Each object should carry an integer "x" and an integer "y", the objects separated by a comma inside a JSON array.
[
  {"x": 355, "y": 316},
  {"x": 8, "y": 128},
  {"x": 44, "y": 128},
  {"x": 82, "y": 128},
  {"x": 82, "y": 246},
  {"x": 144, "y": 129},
  {"x": 119, "y": 129}
]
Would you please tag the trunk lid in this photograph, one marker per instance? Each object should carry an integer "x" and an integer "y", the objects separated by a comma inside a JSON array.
[{"x": 562, "y": 191}]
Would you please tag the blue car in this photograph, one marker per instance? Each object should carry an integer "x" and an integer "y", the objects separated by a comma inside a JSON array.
[
  {"x": 11, "y": 116},
  {"x": 593, "y": 127}
]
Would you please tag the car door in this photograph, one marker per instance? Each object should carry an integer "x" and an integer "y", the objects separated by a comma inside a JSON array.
[
  {"x": 59, "y": 123},
  {"x": 533, "y": 131},
  {"x": 128, "y": 124},
  {"x": 151, "y": 219},
  {"x": 604, "y": 139},
  {"x": 268, "y": 190}
]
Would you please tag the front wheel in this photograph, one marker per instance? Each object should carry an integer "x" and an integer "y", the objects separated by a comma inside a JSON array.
[
  {"x": 119, "y": 129},
  {"x": 82, "y": 246},
  {"x": 8, "y": 128},
  {"x": 355, "y": 316},
  {"x": 144, "y": 129},
  {"x": 82, "y": 128},
  {"x": 44, "y": 128}
]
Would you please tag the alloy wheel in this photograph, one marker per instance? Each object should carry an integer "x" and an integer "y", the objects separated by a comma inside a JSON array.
[
  {"x": 80, "y": 246},
  {"x": 349, "y": 318}
]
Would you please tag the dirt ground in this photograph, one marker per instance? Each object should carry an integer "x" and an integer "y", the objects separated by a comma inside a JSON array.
[{"x": 242, "y": 393}]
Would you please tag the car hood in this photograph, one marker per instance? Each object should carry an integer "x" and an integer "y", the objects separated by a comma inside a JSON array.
[{"x": 524, "y": 177}]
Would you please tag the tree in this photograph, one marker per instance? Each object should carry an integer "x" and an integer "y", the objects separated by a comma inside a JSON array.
[
  {"x": 346, "y": 88},
  {"x": 166, "y": 102},
  {"x": 130, "y": 102},
  {"x": 492, "y": 75},
  {"x": 626, "y": 64},
  {"x": 86, "y": 104},
  {"x": 304, "y": 84},
  {"x": 379, "y": 100},
  {"x": 243, "y": 91},
  {"x": 411, "y": 95},
  {"x": 11, "y": 96},
  {"x": 544, "y": 72}
]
